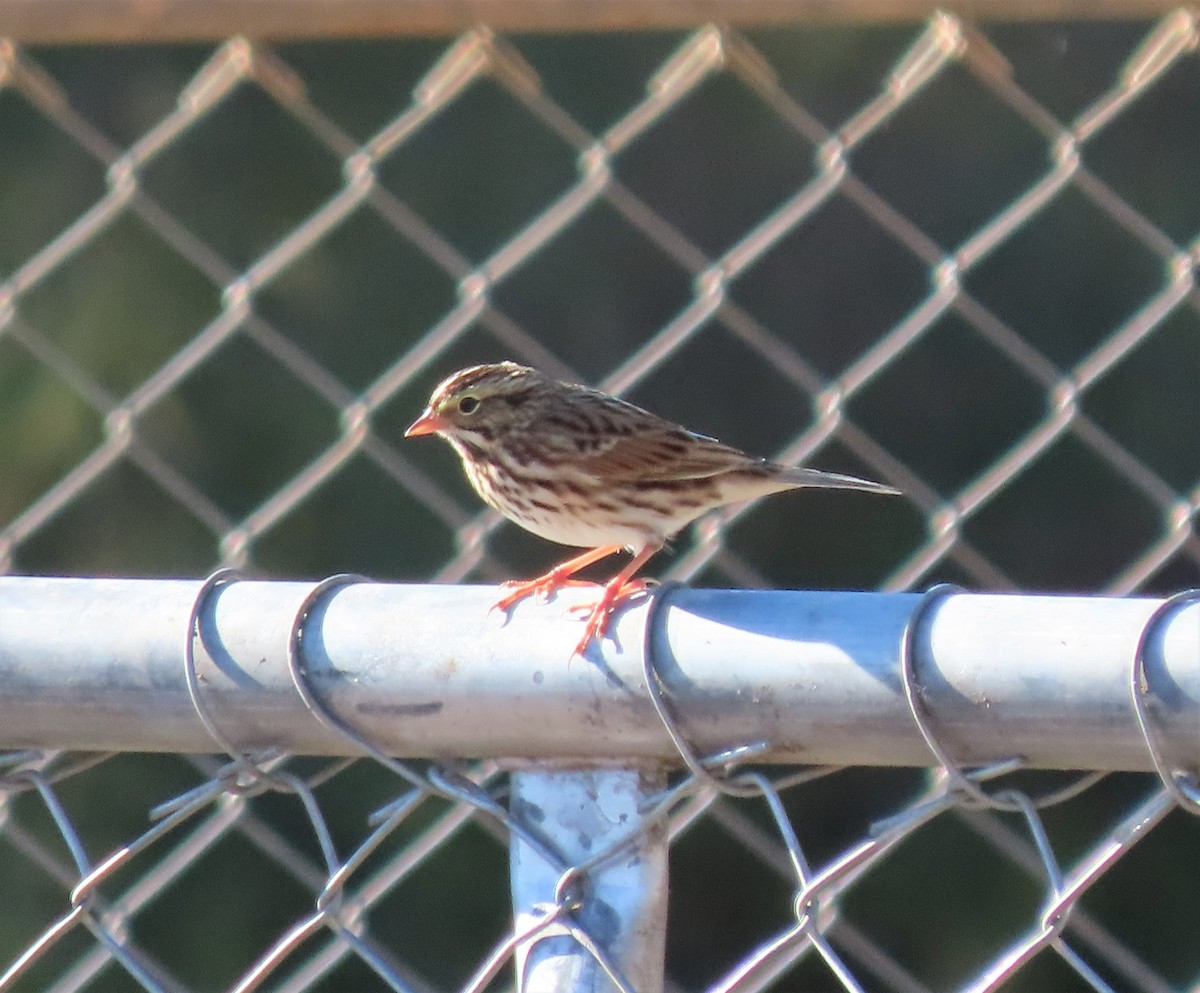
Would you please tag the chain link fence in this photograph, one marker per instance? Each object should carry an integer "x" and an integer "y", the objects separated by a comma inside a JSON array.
[{"x": 957, "y": 257}]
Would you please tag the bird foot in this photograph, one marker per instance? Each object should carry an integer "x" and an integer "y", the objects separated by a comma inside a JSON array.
[
  {"x": 544, "y": 588},
  {"x": 600, "y": 613}
]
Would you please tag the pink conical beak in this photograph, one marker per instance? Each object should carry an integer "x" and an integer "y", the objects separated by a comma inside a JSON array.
[{"x": 427, "y": 423}]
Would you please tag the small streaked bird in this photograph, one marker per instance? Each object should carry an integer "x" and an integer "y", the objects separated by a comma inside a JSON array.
[{"x": 580, "y": 467}]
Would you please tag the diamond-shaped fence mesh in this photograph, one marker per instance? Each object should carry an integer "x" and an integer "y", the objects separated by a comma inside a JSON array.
[{"x": 957, "y": 257}]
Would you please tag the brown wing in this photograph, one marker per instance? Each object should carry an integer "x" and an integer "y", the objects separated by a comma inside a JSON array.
[
  {"x": 665, "y": 455},
  {"x": 613, "y": 439}
]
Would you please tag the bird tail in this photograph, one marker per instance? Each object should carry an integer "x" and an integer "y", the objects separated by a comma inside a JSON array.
[{"x": 801, "y": 476}]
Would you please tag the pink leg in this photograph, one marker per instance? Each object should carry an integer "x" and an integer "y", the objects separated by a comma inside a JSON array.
[
  {"x": 622, "y": 585},
  {"x": 555, "y": 579}
]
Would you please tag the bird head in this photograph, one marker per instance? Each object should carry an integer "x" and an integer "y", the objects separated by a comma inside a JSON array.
[{"x": 481, "y": 403}]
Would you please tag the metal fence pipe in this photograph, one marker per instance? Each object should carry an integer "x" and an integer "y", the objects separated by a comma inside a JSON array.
[
  {"x": 428, "y": 671},
  {"x": 606, "y": 928}
]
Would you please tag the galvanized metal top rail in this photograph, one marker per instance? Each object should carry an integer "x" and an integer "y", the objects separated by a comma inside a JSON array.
[{"x": 426, "y": 671}]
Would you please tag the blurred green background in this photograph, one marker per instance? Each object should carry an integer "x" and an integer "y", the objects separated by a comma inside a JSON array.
[{"x": 239, "y": 429}]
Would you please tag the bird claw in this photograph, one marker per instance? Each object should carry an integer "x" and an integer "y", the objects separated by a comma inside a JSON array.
[
  {"x": 543, "y": 589},
  {"x": 600, "y": 613},
  {"x": 607, "y": 603},
  {"x": 616, "y": 589}
]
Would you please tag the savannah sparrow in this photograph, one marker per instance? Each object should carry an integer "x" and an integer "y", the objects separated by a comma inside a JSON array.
[{"x": 580, "y": 467}]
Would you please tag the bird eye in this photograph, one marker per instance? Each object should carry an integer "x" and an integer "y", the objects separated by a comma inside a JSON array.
[{"x": 468, "y": 405}]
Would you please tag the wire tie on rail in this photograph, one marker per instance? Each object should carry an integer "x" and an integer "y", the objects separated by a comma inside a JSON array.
[
  {"x": 1180, "y": 784},
  {"x": 251, "y": 776},
  {"x": 1005, "y": 800},
  {"x": 700, "y": 768},
  {"x": 444, "y": 782},
  {"x": 300, "y": 679}
]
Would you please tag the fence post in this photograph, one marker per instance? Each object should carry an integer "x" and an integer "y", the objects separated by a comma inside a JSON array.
[{"x": 609, "y": 932}]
